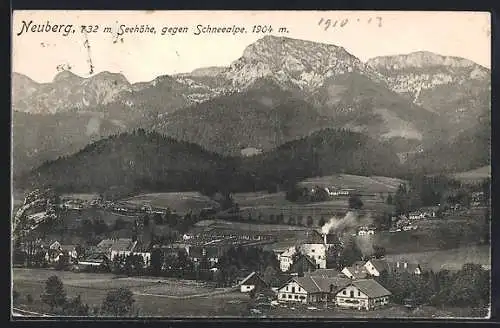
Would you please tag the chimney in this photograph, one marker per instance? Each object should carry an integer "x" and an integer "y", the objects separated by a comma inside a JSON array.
[
  {"x": 397, "y": 264},
  {"x": 405, "y": 265},
  {"x": 324, "y": 238}
]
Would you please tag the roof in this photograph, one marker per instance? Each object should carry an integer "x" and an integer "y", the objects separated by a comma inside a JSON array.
[
  {"x": 289, "y": 252},
  {"x": 120, "y": 244},
  {"x": 303, "y": 260},
  {"x": 357, "y": 272},
  {"x": 371, "y": 288},
  {"x": 324, "y": 273},
  {"x": 380, "y": 265},
  {"x": 313, "y": 237},
  {"x": 321, "y": 285},
  {"x": 68, "y": 247},
  {"x": 251, "y": 279}
]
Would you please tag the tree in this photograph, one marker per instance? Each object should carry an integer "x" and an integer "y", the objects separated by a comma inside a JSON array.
[
  {"x": 15, "y": 296},
  {"x": 54, "y": 295},
  {"x": 63, "y": 262},
  {"x": 379, "y": 251},
  {"x": 75, "y": 307},
  {"x": 80, "y": 251},
  {"x": 350, "y": 254},
  {"x": 401, "y": 200},
  {"x": 355, "y": 202},
  {"x": 158, "y": 219},
  {"x": 156, "y": 261},
  {"x": 389, "y": 200},
  {"x": 310, "y": 221},
  {"x": 118, "y": 302}
]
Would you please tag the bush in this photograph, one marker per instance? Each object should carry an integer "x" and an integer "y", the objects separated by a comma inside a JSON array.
[{"x": 15, "y": 296}]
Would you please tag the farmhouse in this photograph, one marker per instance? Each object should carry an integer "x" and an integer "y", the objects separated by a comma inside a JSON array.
[
  {"x": 323, "y": 273},
  {"x": 363, "y": 294},
  {"x": 112, "y": 247},
  {"x": 310, "y": 289},
  {"x": 96, "y": 262},
  {"x": 375, "y": 267},
  {"x": 356, "y": 271},
  {"x": 303, "y": 264},
  {"x": 253, "y": 282},
  {"x": 211, "y": 253},
  {"x": 416, "y": 215}
]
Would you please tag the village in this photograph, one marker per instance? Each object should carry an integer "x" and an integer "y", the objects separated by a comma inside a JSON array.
[{"x": 334, "y": 266}]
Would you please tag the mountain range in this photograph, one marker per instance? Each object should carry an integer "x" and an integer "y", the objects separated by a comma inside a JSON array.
[{"x": 279, "y": 90}]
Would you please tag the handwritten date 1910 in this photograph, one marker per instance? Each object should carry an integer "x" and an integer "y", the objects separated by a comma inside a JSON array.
[{"x": 327, "y": 23}]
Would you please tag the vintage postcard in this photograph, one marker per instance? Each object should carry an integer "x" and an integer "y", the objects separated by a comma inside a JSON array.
[{"x": 236, "y": 164}]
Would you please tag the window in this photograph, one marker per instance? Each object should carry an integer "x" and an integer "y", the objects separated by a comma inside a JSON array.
[
  {"x": 286, "y": 288},
  {"x": 344, "y": 292},
  {"x": 293, "y": 289},
  {"x": 283, "y": 296},
  {"x": 289, "y": 296},
  {"x": 312, "y": 250},
  {"x": 352, "y": 293},
  {"x": 296, "y": 297},
  {"x": 302, "y": 297},
  {"x": 359, "y": 293}
]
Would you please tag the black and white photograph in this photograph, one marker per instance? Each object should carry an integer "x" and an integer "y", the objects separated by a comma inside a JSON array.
[{"x": 250, "y": 164}]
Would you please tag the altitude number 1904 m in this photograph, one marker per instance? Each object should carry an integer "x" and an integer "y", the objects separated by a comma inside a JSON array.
[{"x": 267, "y": 29}]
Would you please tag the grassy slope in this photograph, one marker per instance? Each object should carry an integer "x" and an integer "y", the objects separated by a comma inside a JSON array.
[
  {"x": 475, "y": 175},
  {"x": 179, "y": 201}
]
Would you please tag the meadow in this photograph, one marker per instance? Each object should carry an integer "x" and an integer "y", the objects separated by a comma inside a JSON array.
[
  {"x": 450, "y": 259},
  {"x": 363, "y": 184},
  {"x": 180, "y": 202},
  {"x": 474, "y": 176},
  {"x": 153, "y": 296}
]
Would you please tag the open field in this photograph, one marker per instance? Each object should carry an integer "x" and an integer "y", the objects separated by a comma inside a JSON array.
[
  {"x": 450, "y": 259},
  {"x": 242, "y": 226},
  {"x": 80, "y": 196},
  {"x": 264, "y": 205},
  {"x": 149, "y": 301},
  {"x": 181, "y": 202},
  {"x": 361, "y": 184},
  {"x": 474, "y": 176},
  {"x": 72, "y": 218}
]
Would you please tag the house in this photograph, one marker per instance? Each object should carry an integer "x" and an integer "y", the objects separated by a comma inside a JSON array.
[
  {"x": 323, "y": 273},
  {"x": 52, "y": 244},
  {"x": 286, "y": 258},
  {"x": 69, "y": 249},
  {"x": 96, "y": 262},
  {"x": 362, "y": 294},
  {"x": 116, "y": 246},
  {"x": 303, "y": 264},
  {"x": 375, "y": 267},
  {"x": 416, "y": 215},
  {"x": 310, "y": 289},
  {"x": 211, "y": 253},
  {"x": 253, "y": 282},
  {"x": 356, "y": 271},
  {"x": 315, "y": 247}
]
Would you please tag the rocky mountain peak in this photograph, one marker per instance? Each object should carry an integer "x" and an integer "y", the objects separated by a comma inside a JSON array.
[
  {"x": 419, "y": 59},
  {"x": 66, "y": 75},
  {"x": 304, "y": 63}
]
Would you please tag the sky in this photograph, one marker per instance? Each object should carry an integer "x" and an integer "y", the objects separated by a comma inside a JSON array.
[{"x": 142, "y": 57}]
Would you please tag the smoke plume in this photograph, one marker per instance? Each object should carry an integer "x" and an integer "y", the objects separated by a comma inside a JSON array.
[{"x": 347, "y": 227}]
